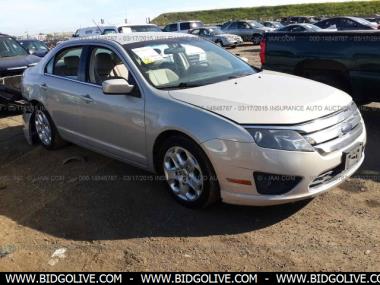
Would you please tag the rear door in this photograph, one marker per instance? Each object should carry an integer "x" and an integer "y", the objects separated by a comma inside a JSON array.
[
  {"x": 62, "y": 86},
  {"x": 114, "y": 124}
]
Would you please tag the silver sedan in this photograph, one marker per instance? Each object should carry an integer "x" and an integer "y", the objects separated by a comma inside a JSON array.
[{"x": 212, "y": 125}]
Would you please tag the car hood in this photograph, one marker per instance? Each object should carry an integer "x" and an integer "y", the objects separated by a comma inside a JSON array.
[
  {"x": 266, "y": 98},
  {"x": 9, "y": 63}
]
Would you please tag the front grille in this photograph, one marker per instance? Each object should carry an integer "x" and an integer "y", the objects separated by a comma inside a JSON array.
[
  {"x": 330, "y": 133},
  {"x": 334, "y": 132}
]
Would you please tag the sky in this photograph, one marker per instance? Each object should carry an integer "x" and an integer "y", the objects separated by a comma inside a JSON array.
[{"x": 19, "y": 17}]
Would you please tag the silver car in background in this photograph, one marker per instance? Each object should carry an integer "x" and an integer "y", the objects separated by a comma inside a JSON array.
[
  {"x": 212, "y": 125},
  {"x": 215, "y": 35},
  {"x": 249, "y": 30}
]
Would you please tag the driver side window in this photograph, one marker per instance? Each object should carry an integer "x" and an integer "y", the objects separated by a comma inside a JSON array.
[{"x": 105, "y": 65}]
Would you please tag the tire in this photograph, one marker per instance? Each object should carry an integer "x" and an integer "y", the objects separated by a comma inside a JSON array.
[
  {"x": 195, "y": 167},
  {"x": 219, "y": 43},
  {"x": 256, "y": 39},
  {"x": 47, "y": 133}
]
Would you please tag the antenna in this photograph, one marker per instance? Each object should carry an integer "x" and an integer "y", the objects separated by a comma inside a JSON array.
[{"x": 100, "y": 30}]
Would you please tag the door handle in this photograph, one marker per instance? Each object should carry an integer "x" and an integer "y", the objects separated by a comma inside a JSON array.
[
  {"x": 87, "y": 99},
  {"x": 44, "y": 86}
]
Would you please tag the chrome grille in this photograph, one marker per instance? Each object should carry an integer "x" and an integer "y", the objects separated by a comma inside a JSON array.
[
  {"x": 337, "y": 131},
  {"x": 329, "y": 133}
]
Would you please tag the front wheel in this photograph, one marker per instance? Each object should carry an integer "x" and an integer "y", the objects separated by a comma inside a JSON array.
[
  {"x": 191, "y": 178},
  {"x": 219, "y": 43}
]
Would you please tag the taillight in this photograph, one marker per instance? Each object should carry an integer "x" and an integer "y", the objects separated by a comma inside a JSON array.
[{"x": 263, "y": 46}]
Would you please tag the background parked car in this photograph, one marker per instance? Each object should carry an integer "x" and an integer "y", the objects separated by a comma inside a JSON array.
[
  {"x": 35, "y": 47},
  {"x": 273, "y": 24},
  {"x": 139, "y": 28},
  {"x": 347, "y": 24},
  {"x": 216, "y": 35},
  {"x": 295, "y": 28},
  {"x": 183, "y": 27},
  {"x": 250, "y": 31},
  {"x": 95, "y": 31},
  {"x": 349, "y": 65},
  {"x": 299, "y": 20},
  {"x": 14, "y": 60}
]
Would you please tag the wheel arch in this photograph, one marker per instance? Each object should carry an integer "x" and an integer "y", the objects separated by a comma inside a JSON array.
[{"x": 161, "y": 138}]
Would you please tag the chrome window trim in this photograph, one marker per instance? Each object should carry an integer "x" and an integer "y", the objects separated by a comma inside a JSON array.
[{"x": 72, "y": 80}]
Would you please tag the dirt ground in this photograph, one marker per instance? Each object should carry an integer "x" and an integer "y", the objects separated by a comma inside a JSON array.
[{"x": 108, "y": 216}]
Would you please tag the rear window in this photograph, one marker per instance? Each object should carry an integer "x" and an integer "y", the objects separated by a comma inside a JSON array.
[{"x": 109, "y": 31}]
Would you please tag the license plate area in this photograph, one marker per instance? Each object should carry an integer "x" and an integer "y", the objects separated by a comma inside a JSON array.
[{"x": 353, "y": 156}]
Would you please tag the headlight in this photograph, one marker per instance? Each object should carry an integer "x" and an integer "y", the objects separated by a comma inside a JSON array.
[{"x": 280, "y": 139}]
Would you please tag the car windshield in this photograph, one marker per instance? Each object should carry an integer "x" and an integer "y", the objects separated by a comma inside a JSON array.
[
  {"x": 185, "y": 62},
  {"x": 216, "y": 31},
  {"x": 34, "y": 45},
  {"x": 363, "y": 21},
  {"x": 256, "y": 24},
  {"x": 10, "y": 47},
  {"x": 109, "y": 31},
  {"x": 278, "y": 25},
  {"x": 313, "y": 27}
]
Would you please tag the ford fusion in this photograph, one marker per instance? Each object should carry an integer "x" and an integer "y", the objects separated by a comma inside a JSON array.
[{"x": 215, "y": 127}]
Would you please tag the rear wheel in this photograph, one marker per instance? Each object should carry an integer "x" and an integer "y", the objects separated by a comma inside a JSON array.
[
  {"x": 191, "y": 178},
  {"x": 46, "y": 130}
]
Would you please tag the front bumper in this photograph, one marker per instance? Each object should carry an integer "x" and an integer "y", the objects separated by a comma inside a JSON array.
[
  {"x": 10, "y": 89},
  {"x": 240, "y": 161},
  {"x": 233, "y": 43}
]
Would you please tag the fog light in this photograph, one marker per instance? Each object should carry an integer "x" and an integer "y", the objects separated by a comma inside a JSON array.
[{"x": 275, "y": 184}]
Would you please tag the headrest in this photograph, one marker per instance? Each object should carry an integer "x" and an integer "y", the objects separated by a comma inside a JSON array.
[
  {"x": 103, "y": 61},
  {"x": 72, "y": 61}
]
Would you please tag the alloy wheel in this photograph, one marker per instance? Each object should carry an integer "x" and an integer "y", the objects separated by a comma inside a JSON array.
[
  {"x": 183, "y": 174},
  {"x": 43, "y": 127}
]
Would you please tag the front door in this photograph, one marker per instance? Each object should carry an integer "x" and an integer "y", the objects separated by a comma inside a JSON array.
[{"x": 114, "y": 124}]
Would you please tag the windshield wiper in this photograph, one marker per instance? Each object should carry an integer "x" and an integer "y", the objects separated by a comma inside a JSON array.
[
  {"x": 182, "y": 85},
  {"x": 239, "y": 75}
]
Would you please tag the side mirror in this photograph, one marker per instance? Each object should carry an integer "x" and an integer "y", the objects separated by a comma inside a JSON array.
[
  {"x": 117, "y": 87},
  {"x": 31, "y": 51}
]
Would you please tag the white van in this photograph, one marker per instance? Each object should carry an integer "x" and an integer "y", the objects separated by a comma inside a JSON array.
[
  {"x": 95, "y": 31},
  {"x": 144, "y": 28},
  {"x": 183, "y": 27}
]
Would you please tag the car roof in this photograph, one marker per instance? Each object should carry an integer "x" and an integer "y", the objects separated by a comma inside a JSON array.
[
  {"x": 190, "y": 21},
  {"x": 129, "y": 38},
  {"x": 29, "y": 40},
  {"x": 137, "y": 25},
  {"x": 97, "y": 27}
]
